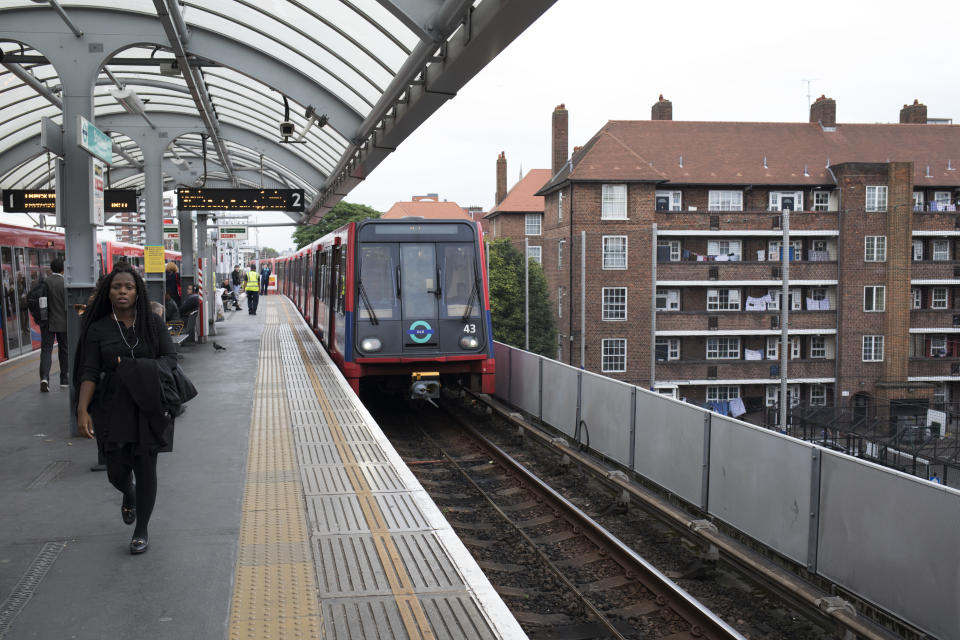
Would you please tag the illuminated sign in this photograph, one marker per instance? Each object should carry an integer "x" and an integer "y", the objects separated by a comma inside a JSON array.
[
  {"x": 45, "y": 201},
  {"x": 233, "y": 233},
  {"x": 240, "y": 199}
]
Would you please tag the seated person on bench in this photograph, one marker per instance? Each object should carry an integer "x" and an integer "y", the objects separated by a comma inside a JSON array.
[
  {"x": 229, "y": 295},
  {"x": 173, "y": 314},
  {"x": 191, "y": 302}
]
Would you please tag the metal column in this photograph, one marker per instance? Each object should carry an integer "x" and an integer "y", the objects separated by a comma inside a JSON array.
[
  {"x": 186, "y": 248},
  {"x": 153, "y": 201}
]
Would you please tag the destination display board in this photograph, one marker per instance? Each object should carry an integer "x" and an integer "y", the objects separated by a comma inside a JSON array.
[
  {"x": 240, "y": 199},
  {"x": 45, "y": 200}
]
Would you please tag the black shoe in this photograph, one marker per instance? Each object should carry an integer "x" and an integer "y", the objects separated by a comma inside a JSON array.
[
  {"x": 98, "y": 467},
  {"x": 128, "y": 513},
  {"x": 138, "y": 545},
  {"x": 44, "y": 386}
]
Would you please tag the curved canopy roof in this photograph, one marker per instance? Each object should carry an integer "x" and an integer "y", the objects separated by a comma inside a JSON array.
[{"x": 354, "y": 77}]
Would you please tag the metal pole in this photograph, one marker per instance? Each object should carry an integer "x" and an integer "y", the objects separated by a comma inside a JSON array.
[
  {"x": 583, "y": 297},
  {"x": 784, "y": 316},
  {"x": 526, "y": 295},
  {"x": 653, "y": 308}
]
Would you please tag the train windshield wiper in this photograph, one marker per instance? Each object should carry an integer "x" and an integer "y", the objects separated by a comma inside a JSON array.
[
  {"x": 469, "y": 310},
  {"x": 366, "y": 303}
]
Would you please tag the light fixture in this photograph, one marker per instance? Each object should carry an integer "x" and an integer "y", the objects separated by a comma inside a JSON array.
[
  {"x": 370, "y": 345},
  {"x": 129, "y": 100}
]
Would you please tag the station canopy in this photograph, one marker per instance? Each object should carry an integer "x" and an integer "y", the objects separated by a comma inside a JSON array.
[{"x": 352, "y": 77}]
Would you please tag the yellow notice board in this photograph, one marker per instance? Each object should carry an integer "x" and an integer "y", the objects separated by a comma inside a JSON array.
[{"x": 153, "y": 259}]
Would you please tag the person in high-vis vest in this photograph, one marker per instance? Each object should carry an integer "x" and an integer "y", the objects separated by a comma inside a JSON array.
[{"x": 252, "y": 289}]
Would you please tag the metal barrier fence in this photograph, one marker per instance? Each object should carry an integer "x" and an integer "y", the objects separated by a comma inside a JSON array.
[{"x": 884, "y": 535}]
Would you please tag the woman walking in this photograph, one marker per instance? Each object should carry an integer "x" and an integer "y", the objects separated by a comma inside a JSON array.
[{"x": 120, "y": 339}]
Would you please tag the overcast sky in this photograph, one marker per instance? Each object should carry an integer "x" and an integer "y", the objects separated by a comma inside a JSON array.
[{"x": 610, "y": 59}]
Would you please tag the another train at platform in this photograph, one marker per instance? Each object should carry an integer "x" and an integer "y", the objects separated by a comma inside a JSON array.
[
  {"x": 401, "y": 303},
  {"x": 25, "y": 255}
]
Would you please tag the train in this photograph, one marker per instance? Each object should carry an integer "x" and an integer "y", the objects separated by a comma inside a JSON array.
[
  {"x": 400, "y": 303},
  {"x": 25, "y": 255}
]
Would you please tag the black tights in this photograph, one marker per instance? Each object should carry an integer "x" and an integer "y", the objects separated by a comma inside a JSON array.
[{"x": 145, "y": 469}]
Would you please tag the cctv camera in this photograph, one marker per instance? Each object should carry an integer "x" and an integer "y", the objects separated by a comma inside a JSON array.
[{"x": 286, "y": 129}]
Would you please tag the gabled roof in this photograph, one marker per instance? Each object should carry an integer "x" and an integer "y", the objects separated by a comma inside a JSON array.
[
  {"x": 521, "y": 198},
  {"x": 770, "y": 153},
  {"x": 429, "y": 209}
]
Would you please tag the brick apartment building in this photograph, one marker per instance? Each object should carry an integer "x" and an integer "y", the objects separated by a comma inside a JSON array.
[
  {"x": 874, "y": 317},
  {"x": 133, "y": 233}
]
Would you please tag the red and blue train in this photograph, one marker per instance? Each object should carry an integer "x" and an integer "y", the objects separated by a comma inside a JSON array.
[{"x": 400, "y": 302}]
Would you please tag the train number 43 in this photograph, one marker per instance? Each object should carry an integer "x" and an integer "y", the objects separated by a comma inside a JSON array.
[{"x": 469, "y": 328}]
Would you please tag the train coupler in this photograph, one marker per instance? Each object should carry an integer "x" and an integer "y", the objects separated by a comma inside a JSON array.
[{"x": 425, "y": 385}]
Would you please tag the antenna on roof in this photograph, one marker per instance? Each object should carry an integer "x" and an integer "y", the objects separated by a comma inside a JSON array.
[{"x": 808, "y": 81}]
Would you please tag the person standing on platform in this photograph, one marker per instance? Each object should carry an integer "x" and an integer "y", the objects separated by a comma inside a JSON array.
[
  {"x": 54, "y": 328},
  {"x": 264, "y": 279},
  {"x": 253, "y": 290},
  {"x": 236, "y": 281},
  {"x": 119, "y": 398},
  {"x": 173, "y": 283}
]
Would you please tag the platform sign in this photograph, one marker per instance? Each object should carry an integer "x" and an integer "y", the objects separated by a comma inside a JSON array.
[
  {"x": 233, "y": 233},
  {"x": 171, "y": 233},
  {"x": 96, "y": 193},
  {"x": 153, "y": 258},
  {"x": 120, "y": 200},
  {"x": 240, "y": 199},
  {"x": 45, "y": 200},
  {"x": 94, "y": 141}
]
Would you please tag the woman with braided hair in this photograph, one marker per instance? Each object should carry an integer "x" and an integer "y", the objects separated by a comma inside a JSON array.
[{"x": 118, "y": 331}]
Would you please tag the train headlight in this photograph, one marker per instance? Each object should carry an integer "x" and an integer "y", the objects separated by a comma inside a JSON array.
[
  {"x": 469, "y": 342},
  {"x": 371, "y": 345}
]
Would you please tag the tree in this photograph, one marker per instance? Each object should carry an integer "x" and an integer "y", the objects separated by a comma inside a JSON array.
[
  {"x": 269, "y": 252},
  {"x": 506, "y": 301},
  {"x": 340, "y": 215}
]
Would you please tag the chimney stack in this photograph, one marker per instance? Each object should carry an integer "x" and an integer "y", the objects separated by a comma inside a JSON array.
[
  {"x": 915, "y": 113},
  {"x": 560, "y": 143},
  {"x": 501, "y": 178},
  {"x": 824, "y": 111},
  {"x": 661, "y": 109}
]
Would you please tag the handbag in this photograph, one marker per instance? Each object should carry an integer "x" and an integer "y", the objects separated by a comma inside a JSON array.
[{"x": 185, "y": 388}]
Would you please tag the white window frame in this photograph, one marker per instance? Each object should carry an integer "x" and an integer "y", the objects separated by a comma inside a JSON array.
[
  {"x": 535, "y": 252},
  {"x": 918, "y": 200},
  {"x": 871, "y": 347},
  {"x": 722, "y": 393},
  {"x": 772, "y": 394},
  {"x": 818, "y": 395},
  {"x": 916, "y": 296},
  {"x": 818, "y": 347},
  {"x": 613, "y": 202},
  {"x": 773, "y": 347},
  {"x": 819, "y": 245},
  {"x": 533, "y": 224},
  {"x": 918, "y": 250},
  {"x": 941, "y": 250},
  {"x": 714, "y": 302},
  {"x": 773, "y": 250},
  {"x": 612, "y": 350},
  {"x": 560, "y": 301},
  {"x": 611, "y": 304},
  {"x": 942, "y": 198},
  {"x": 675, "y": 248},
  {"x": 821, "y": 200},
  {"x": 728, "y": 350},
  {"x": 796, "y": 300},
  {"x": 938, "y": 346},
  {"x": 674, "y": 202},
  {"x": 609, "y": 254},
  {"x": 876, "y": 198},
  {"x": 776, "y": 197},
  {"x": 818, "y": 293},
  {"x": 725, "y": 247},
  {"x": 559, "y": 205},
  {"x": 939, "y": 298},
  {"x": 560, "y": 244},
  {"x": 670, "y": 298},
  {"x": 672, "y": 345},
  {"x": 874, "y": 298},
  {"x": 875, "y": 248},
  {"x": 725, "y": 200}
]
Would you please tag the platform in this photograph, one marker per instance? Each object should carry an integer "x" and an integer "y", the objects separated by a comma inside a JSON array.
[{"x": 283, "y": 512}]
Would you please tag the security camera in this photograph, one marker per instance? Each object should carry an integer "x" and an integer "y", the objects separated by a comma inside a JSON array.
[{"x": 286, "y": 129}]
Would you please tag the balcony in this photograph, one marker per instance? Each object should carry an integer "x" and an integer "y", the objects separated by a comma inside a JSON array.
[
  {"x": 743, "y": 369},
  {"x": 747, "y": 270},
  {"x": 924, "y": 367},
  {"x": 932, "y": 270},
  {"x": 929, "y": 318},
  {"x": 745, "y": 220},
  {"x": 733, "y": 321},
  {"x": 935, "y": 221}
]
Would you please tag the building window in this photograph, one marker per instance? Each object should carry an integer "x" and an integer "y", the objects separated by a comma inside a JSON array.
[
  {"x": 559, "y": 205},
  {"x": 614, "y": 355},
  {"x": 614, "y": 252},
  {"x": 938, "y": 346},
  {"x": 941, "y": 200},
  {"x": 875, "y": 298},
  {"x": 773, "y": 348},
  {"x": 560, "y": 254},
  {"x": 720, "y": 394},
  {"x": 559, "y": 302},
  {"x": 877, "y": 198},
  {"x": 668, "y": 200},
  {"x": 821, "y": 200},
  {"x": 667, "y": 349},
  {"x": 614, "y": 303},
  {"x": 773, "y": 395},
  {"x": 730, "y": 249},
  {"x": 672, "y": 251},
  {"x": 918, "y": 200},
  {"x": 725, "y": 201},
  {"x": 873, "y": 348},
  {"x": 875, "y": 249},
  {"x": 818, "y": 395},
  {"x": 534, "y": 224},
  {"x": 918, "y": 249},
  {"x": 917, "y": 298},
  {"x": 780, "y": 200},
  {"x": 940, "y": 395},
  {"x": 723, "y": 299},
  {"x": 796, "y": 300},
  {"x": 534, "y": 253},
  {"x": 939, "y": 298},
  {"x": 668, "y": 300},
  {"x": 818, "y": 347},
  {"x": 773, "y": 250},
  {"x": 723, "y": 348},
  {"x": 613, "y": 202},
  {"x": 818, "y": 294},
  {"x": 941, "y": 249}
]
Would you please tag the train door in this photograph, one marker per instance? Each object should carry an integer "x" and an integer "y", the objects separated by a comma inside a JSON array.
[
  {"x": 308, "y": 297},
  {"x": 11, "y": 304},
  {"x": 317, "y": 291},
  {"x": 337, "y": 299}
]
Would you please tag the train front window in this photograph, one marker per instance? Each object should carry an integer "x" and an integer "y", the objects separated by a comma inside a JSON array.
[
  {"x": 378, "y": 286},
  {"x": 461, "y": 293},
  {"x": 418, "y": 280}
]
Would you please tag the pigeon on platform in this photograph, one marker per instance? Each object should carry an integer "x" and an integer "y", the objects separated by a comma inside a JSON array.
[{"x": 218, "y": 347}]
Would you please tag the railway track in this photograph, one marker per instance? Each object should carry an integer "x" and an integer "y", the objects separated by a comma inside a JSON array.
[{"x": 563, "y": 575}]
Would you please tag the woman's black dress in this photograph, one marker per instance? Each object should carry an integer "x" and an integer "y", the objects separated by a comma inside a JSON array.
[{"x": 116, "y": 419}]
